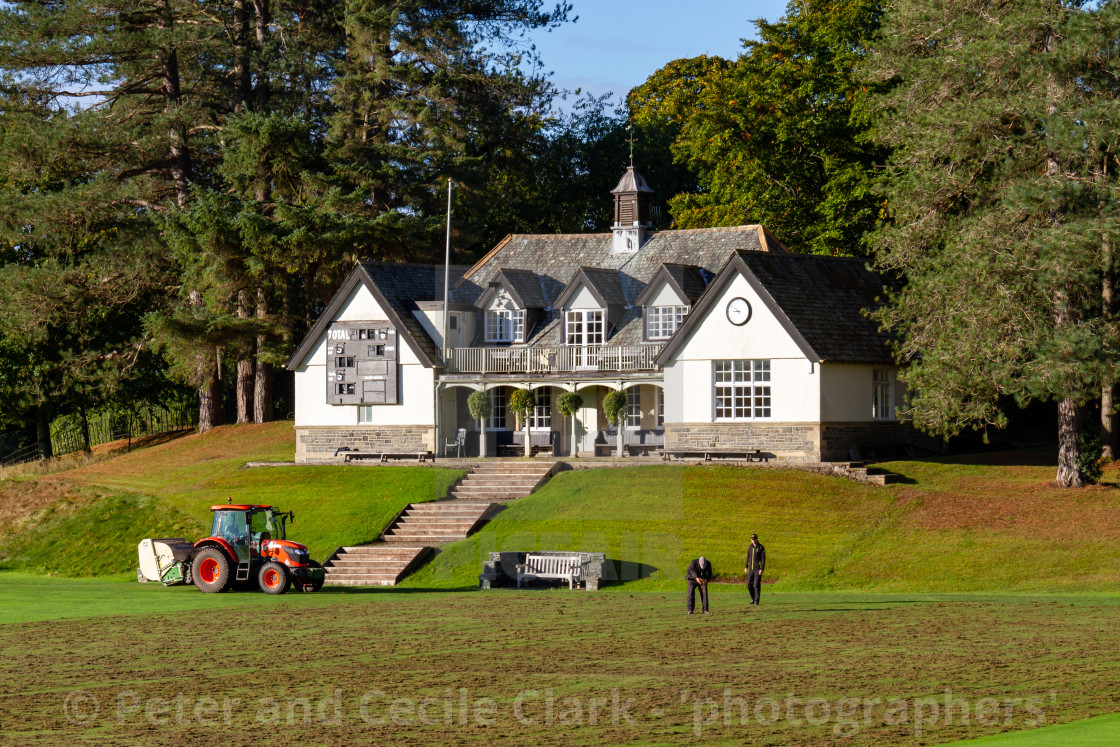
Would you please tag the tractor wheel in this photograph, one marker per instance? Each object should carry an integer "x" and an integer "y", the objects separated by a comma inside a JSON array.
[
  {"x": 273, "y": 578},
  {"x": 313, "y": 585},
  {"x": 211, "y": 570}
]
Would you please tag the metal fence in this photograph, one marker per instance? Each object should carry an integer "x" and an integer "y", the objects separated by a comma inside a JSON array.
[{"x": 66, "y": 434}]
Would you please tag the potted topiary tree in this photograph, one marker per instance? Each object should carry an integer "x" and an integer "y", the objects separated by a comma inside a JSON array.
[
  {"x": 614, "y": 406},
  {"x": 569, "y": 404},
  {"x": 521, "y": 403},
  {"x": 479, "y": 405}
]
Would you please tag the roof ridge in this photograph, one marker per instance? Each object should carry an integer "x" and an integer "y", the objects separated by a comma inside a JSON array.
[{"x": 802, "y": 255}]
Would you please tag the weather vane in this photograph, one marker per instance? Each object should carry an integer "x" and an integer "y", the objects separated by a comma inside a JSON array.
[{"x": 630, "y": 129}]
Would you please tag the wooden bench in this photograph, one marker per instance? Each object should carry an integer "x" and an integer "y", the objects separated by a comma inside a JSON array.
[
  {"x": 707, "y": 454},
  {"x": 550, "y": 566},
  {"x": 512, "y": 443},
  {"x": 384, "y": 456}
]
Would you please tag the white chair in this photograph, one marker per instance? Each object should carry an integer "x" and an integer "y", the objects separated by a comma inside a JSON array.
[{"x": 459, "y": 443}]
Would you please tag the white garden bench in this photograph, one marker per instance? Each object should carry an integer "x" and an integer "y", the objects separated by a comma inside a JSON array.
[{"x": 550, "y": 566}]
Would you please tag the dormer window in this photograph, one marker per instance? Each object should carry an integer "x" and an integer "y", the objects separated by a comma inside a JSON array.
[
  {"x": 505, "y": 325},
  {"x": 662, "y": 322}
]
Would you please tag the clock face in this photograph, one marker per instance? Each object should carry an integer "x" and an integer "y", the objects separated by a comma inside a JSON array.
[{"x": 738, "y": 311}]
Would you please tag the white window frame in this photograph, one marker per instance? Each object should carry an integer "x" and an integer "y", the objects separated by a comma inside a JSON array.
[
  {"x": 584, "y": 328},
  {"x": 541, "y": 417},
  {"x": 505, "y": 325},
  {"x": 632, "y": 420},
  {"x": 662, "y": 322},
  {"x": 498, "y": 411},
  {"x": 660, "y": 412},
  {"x": 882, "y": 403},
  {"x": 741, "y": 390},
  {"x": 365, "y": 414}
]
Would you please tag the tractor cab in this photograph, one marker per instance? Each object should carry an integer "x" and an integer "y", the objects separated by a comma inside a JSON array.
[{"x": 247, "y": 540}]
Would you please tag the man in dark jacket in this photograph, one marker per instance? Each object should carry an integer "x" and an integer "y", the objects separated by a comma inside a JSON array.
[
  {"x": 698, "y": 574},
  {"x": 755, "y": 565}
]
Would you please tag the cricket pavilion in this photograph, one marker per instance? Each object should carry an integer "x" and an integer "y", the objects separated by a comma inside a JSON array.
[{"x": 721, "y": 339}]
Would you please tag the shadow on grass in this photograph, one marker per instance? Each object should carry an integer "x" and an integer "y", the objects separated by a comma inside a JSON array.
[{"x": 1037, "y": 456}]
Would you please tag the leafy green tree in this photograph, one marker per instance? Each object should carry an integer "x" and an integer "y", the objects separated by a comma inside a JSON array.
[
  {"x": 569, "y": 403},
  {"x": 614, "y": 407},
  {"x": 1003, "y": 124},
  {"x": 775, "y": 137},
  {"x": 521, "y": 403}
]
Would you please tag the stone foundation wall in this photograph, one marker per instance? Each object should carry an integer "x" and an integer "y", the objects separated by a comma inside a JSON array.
[
  {"x": 837, "y": 439},
  {"x": 319, "y": 443},
  {"x": 796, "y": 441}
]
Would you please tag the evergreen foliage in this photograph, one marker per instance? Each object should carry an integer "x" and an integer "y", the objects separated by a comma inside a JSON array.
[{"x": 1003, "y": 120}]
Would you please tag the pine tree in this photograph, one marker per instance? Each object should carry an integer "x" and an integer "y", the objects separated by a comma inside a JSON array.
[{"x": 1002, "y": 119}]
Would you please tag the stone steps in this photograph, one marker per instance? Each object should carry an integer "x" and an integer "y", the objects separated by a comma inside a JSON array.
[
  {"x": 437, "y": 522},
  {"x": 409, "y": 539},
  {"x": 372, "y": 565}
]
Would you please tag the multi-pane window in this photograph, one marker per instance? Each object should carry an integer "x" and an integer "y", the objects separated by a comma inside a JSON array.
[
  {"x": 505, "y": 325},
  {"x": 365, "y": 414},
  {"x": 881, "y": 394},
  {"x": 542, "y": 411},
  {"x": 742, "y": 390},
  {"x": 498, "y": 408},
  {"x": 585, "y": 327},
  {"x": 660, "y": 407},
  {"x": 634, "y": 408},
  {"x": 663, "y": 321}
]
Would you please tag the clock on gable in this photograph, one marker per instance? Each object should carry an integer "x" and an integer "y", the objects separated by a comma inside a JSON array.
[{"x": 738, "y": 311}]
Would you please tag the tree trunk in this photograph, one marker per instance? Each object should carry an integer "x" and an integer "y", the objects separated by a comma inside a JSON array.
[
  {"x": 210, "y": 404},
  {"x": 241, "y": 67},
  {"x": 482, "y": 438},
  {"x": 262, "y": 383},
  {"x": 87, "y": 447},
  {"x": 179, "y": 155},
  {"x": 621, "y": 450},
  {"x": 244, "y": 368},
  {"x": 1110, "y": 446},
  {"x": 43, "y": 431},
  {"x": 263, "y": 17},
  {"x": 1069, "y": 426}
]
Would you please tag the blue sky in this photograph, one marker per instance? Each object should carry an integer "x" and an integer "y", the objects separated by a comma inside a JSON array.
[{"x": 617, "y": 44}]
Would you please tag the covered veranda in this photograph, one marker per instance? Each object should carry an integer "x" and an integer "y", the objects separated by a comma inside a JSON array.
[{"x": 550, "y": 432}]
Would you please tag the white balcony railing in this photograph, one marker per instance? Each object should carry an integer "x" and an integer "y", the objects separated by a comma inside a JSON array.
[{"x": 552, "y": 360}]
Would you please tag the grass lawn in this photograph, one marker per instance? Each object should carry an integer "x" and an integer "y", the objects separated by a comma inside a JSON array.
[
  {"x": 89, "y": 520},
  {"x": 528, "y": 667},
  {"x": 986, "y": 523},
  {"x": 1102, "y": 731}
]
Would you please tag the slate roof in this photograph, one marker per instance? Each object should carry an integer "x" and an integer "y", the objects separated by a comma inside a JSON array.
[
  {"x": 556, "y": 258},
  {"x": 819, "y": 300},
  {"x": 402, "y": 285},
  {"x": 824, "y": 298},
  {"x": 688, "y": 281},
  {"x": 526, "y": 287},
  {"x": 603, "y": 283}
]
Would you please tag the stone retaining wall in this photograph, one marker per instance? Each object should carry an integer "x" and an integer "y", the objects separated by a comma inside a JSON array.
[
  {"x": 793, "y": 441},
  {"x": 320, "y": 443},
  {"x": 837, "y": 439}
]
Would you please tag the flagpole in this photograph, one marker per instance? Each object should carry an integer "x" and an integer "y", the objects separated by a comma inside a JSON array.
[{"x": 447, "y": 266}]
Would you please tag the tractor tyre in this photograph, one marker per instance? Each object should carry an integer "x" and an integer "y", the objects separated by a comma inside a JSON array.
[
  {"x": 212, "y": 570},
  {"x": 317, "y": 583},
  {"x": 274, "y": 578}
]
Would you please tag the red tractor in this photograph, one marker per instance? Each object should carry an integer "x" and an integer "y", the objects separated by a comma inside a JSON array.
[{"x": 247, "y": 543}]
